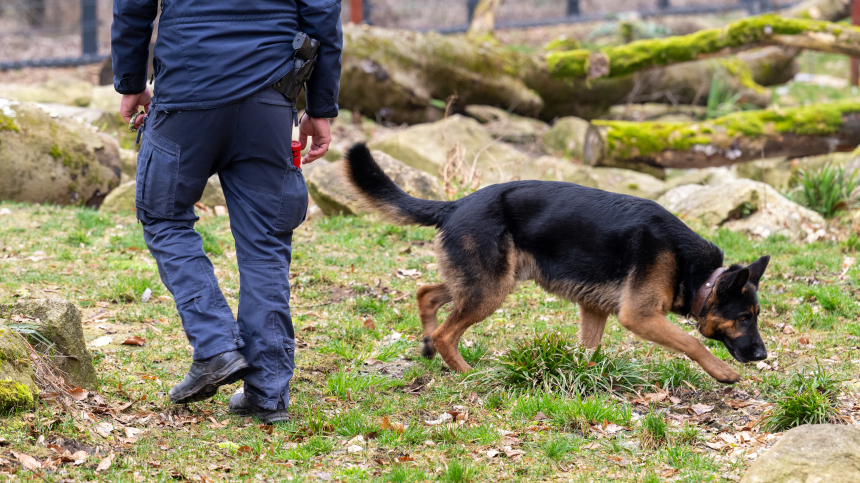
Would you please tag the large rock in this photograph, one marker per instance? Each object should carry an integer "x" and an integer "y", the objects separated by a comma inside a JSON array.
[
  {"x": 426, "y": 147},
  {"x": 45, "y": 158},
  {"x": 329, "y": 190},
  {"x": 59, "y": 322},
  {"x": 812, "y": 453},
  {"x": 121, "y": 199},
  {"x": 17, "y": 384},
  {"x": 510, "y": 128},
  {"x": 628, "y": 182},
  {"x": 706, "y": 176},
  {"x": 743, "y": 205},
  {"x": 549, "y": 168},
  {"x": 72, "y": 92},
  {"x": 105, "y": 98}
]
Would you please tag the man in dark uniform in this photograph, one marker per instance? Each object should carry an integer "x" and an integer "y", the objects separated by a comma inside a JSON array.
[{"x": 215, "y": 111}]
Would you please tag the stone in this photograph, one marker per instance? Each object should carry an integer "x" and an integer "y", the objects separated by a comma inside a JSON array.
[
  {"x": 705, "y": 176},
  {"x": 128, "y": 162},
  {"x": 569, "y": 137},
  {"x": 777, "y": 172},
  {"x": 50, "y": 159},
  {"x": 17, "y": 382},
  {"x": 550, "y": 168},
  {"x": 330, "y": 191},
  {"x": 59, "y": 322},
  {"x": 63, "y": 90},
  {"x": 105, "y": 98},
  {"x": 811, "y": 453},
  {"x": 121, "y": 199},
  {"x": 510, "y": 128},
  {"x": 743, "y": 205},
  {"x": 426, "y": 147},
  {"x": 629, "y": 182}
]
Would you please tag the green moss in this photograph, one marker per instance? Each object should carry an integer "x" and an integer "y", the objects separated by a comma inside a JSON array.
[
  {"x": 740, "y": 70},
  {"x": 14, "y": 395},
  {"x": 642, "y": 54},
  {"x": 8, "y": 124},
  {"x": 635, "y": 139}
]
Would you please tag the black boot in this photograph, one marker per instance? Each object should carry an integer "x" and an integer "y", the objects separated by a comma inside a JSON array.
[
  {"x": 206, "y": 376},
  {"x": 240, "y": 405}
]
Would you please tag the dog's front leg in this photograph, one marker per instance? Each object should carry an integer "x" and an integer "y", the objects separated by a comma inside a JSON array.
[{"x": 658, "y": 329}]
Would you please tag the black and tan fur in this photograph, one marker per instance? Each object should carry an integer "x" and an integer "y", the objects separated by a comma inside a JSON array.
[{"x": 609, "y": 253}]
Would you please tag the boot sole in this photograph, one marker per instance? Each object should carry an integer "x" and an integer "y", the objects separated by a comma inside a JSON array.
[{"x": 232, "y": 373}]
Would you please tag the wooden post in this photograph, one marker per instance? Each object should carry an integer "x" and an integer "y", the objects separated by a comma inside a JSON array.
[
  {"x": 356, "y": 11},
  {"x": 855, "y": 63}
]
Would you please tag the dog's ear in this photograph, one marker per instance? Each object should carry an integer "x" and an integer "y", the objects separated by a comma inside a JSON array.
[
  {"x": 756, "y": 269},
  {"x": 733, "y": 282}
]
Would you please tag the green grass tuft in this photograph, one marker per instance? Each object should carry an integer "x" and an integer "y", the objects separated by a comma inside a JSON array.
[
  {"x": 653, "y": 430},
  {"x": 826, "y": 190},
  {"x": 553, "y": 362}
]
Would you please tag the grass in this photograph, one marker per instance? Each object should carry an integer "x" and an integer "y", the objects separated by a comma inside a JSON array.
[
  {"x": 809, "y": 398},
  {"x": 654, "y": 430},
  {"x": 826, "y": 190},
  {"x": 556, "y": 362}
]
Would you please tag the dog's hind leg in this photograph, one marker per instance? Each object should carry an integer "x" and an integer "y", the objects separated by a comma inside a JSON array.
[
  {"x": 430, "y": 298},
  {"x": 591, "y": 326},
  {"x": 467, "y": 312}
]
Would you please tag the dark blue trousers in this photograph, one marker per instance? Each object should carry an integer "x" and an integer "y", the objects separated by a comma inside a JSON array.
[{"x": 248, "y": 145}]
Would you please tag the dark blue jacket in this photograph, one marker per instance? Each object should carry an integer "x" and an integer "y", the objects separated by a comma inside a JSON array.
[{"x": 213, "y": 53}]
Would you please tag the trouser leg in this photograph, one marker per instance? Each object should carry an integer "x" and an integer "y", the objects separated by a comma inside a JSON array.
[
  {"x": 177, "y": 155},
  {"x": 267, "y": 199}
]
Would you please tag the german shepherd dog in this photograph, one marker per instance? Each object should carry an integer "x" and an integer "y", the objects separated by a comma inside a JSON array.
[{"x": 610, "y": 253}]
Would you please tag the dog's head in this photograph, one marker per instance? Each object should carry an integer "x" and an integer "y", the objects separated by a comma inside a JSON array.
[{"x": 730, "y": 314}]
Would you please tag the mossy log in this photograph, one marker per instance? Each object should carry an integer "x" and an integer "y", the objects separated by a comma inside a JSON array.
[
  {"x": 743, "y": 34},
  {"x": 402, "y": 76},
  {"x": 738, "y": 137}
]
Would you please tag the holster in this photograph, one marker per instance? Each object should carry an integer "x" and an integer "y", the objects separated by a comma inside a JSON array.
[{"x": 304, "y": 58}]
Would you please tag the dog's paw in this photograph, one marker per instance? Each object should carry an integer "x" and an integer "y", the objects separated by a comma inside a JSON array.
[
  {"x": 428, "y": 349},
  {"x": 728, "y": 376}
]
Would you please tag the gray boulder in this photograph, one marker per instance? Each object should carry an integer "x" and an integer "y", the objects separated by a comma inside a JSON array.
[
  {"x": 63, "y": 90},
  {"x": 48, "y": 159},
  {"x": 59, "y": 322},
  {"x": 330, "y": 191},
  {"x": 743, "y": 205},
  {"x": 426, "y": 147},
  {"x": 705, "y": 176},
  {"x": 121, "y": 199},
  {"x": 628, "y": 182},
  {"x": 510, "y": 128},
  {"x": 812, "y": 453},
  {"x": 17, "y": 384}
]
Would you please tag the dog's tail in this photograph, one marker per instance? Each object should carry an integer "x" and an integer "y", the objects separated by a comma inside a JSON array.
[{"x": 379, "y": 192}]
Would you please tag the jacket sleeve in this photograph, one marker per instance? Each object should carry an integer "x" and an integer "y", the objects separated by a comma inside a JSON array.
[
  {"x": 130, "y": 34},
  {"x": 320, "y": 19}
]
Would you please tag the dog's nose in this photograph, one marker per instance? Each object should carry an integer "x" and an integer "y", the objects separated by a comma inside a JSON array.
[{"x": 760, "y": 354}]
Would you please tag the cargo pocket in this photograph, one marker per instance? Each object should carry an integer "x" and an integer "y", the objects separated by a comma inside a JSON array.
[
  {"x": 157, "y": 173},
  {"x": 293, "y": 205}
]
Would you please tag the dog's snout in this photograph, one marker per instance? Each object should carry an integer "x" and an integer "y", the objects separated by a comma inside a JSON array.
[{"x": 759, "y": 354}]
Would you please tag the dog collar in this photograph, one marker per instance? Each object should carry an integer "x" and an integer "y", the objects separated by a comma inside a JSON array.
[{"x": 703, "y": 293}]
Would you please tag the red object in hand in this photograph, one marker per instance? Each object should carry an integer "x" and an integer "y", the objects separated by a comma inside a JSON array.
[{"x": 297, "y": 154}]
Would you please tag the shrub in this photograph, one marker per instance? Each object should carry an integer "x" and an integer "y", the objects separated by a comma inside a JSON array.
[
  {"x": 826, "y": 190},
  {"x": 809, "y": 398},
  {"x": 552, "y": 362}
]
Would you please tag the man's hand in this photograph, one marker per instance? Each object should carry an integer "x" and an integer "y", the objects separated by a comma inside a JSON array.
[
  {"x": 131, "y": 103},
  {"x": 320, "y": 133}
]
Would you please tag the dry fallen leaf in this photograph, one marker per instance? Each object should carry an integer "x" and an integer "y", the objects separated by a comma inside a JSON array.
[
  {"x": 804, "y": 340},
  {"x": 80, "y": 457},
  {"x": 104, "y": 464},
  {"x": 27, "y": 461},
  {"x": 369, "y": 324},
  {"x": 102, "y": 341},
  {"x": 134, "y": 340},
  {"x": 700, "y": 409},
  {"x": 79, "y": 393}
]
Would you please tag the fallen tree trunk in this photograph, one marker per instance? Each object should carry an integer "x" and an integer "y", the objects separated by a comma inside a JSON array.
[
  {"x": 744, "y": 34},
  {"x": 738, "y": 137}
]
